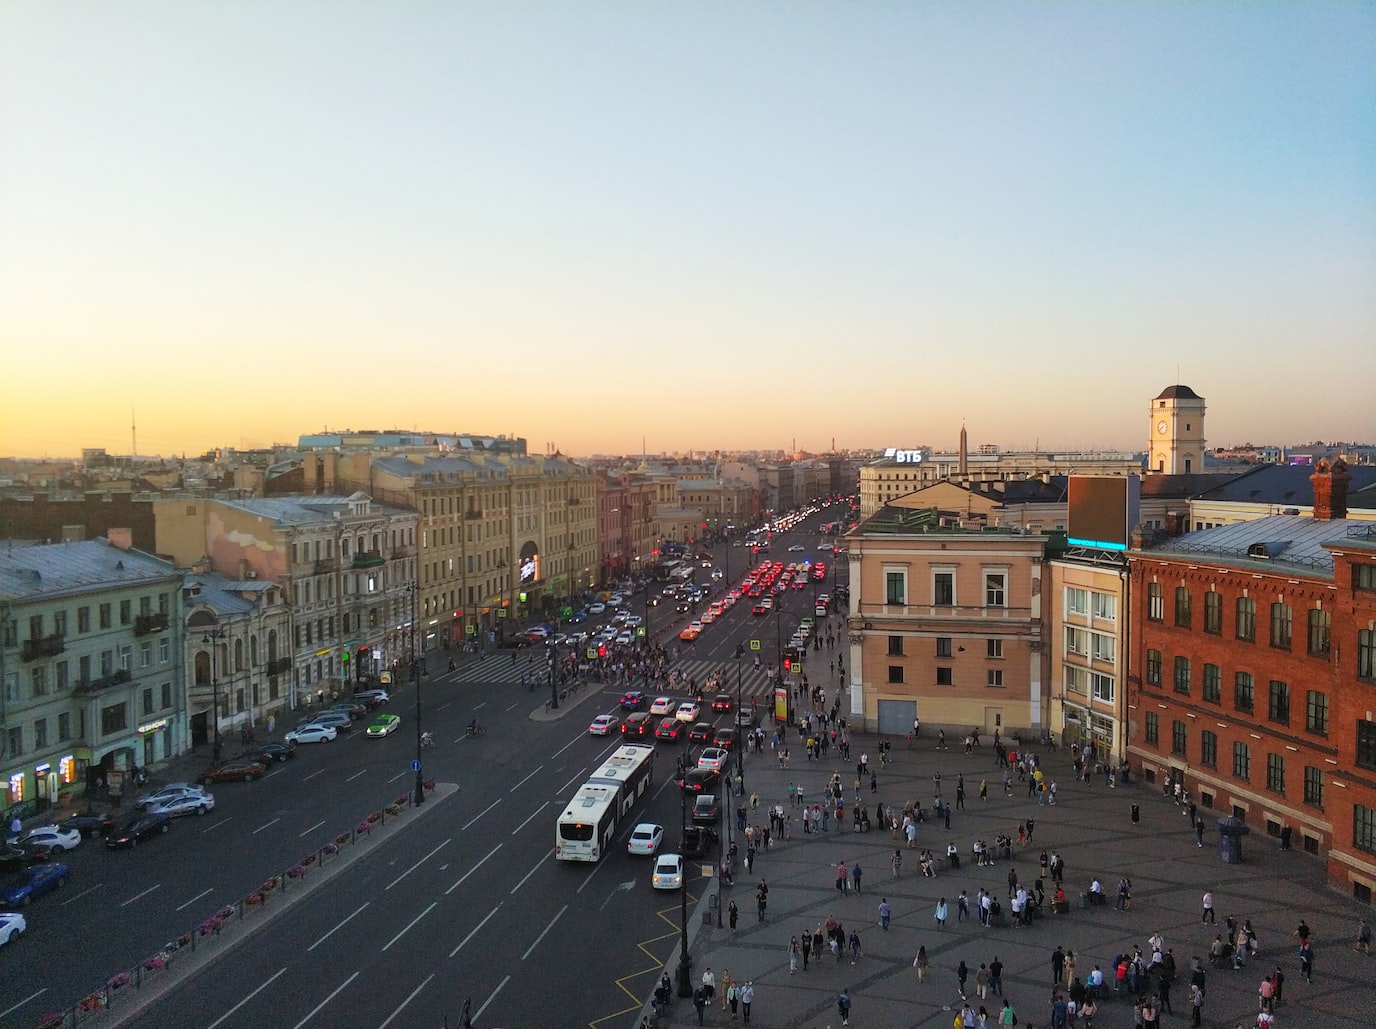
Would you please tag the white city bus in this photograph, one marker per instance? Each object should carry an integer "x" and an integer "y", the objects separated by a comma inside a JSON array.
[{"x": 588, "y": 823}]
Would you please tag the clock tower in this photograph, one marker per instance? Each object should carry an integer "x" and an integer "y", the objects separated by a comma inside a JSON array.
[{"x": 1175, "y": 441}]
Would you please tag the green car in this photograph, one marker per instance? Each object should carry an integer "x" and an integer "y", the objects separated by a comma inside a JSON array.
[{"x": 384, "y": 725}]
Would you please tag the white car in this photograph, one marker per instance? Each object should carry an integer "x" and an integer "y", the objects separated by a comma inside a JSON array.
[
  {"x": 796, "y": 548},
  {"x": 12, "y": 924},
  {"x": 714, "y": 758},
  {"x": 624, "y": 637},
  {"x": 663, "y": 706},
  {"x": 172, "y": 791},
  {"x": 668, "y": 874},
  {"x": 645, "y": 839},
  {"x": 51, "y": 838},
  {"x": 603, "y": 725},
  {"x": 187, "y": 805},
  {"x": 596, "y": 609},
  {"x": 688, "y": 711},
  {"x": 312, "y": 734},
  {"x": 631, "y": 621}
]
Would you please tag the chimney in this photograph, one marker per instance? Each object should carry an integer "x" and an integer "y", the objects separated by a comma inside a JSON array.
[
  {"x": 1175, "y": 523},
  {"x": 122, "y": 538},
  {"x": 1330, "y": 490}
]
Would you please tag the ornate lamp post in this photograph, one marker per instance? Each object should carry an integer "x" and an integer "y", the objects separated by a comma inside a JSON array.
[
  {"x": 419, "y": 797},
  {"x": 215, "y": 637}
]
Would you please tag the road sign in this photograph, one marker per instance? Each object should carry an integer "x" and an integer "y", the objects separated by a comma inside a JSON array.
[
  {"x": 592, "y": 653},
  {"x": 754, "y": 644},
  {"x": 640, "y": 630},
  {"x": 415, "y": 766}
]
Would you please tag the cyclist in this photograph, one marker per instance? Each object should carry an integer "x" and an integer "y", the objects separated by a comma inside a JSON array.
[{"x": 473, "y": 728}]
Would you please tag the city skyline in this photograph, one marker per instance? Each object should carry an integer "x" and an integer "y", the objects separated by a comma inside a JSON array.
[{"x": 595, "y": 224}]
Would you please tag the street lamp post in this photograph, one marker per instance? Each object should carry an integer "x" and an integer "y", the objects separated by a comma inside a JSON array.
[
  {"x": 740, "y": 744},
  {"x": 419, "y": 797},
  {"x": 214, "y": 638},
  {"x": 685, "y": 963}
]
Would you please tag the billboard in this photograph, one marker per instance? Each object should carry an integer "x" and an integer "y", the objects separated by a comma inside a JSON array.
[{"x": 1103, "y": 510}]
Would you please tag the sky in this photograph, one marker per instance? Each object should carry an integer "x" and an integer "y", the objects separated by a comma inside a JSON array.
[{"x": 603, "y": 226}]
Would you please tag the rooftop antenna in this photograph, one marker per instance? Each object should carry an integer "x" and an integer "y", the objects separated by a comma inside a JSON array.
[{"x": 133, "y": 433}]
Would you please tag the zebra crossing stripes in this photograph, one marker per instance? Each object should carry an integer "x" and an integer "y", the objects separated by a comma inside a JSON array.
[
  {"x": 754, "y": 681},
  {"x": 497, "y": 668}
]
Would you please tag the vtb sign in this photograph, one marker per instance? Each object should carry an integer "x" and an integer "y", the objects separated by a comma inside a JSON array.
[{"x": 903, "y": 456}]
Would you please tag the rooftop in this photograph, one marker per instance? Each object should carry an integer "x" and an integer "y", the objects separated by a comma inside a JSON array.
[
  {"x": 1297, "y": 541},
  {"x": 43, "y": 569}
]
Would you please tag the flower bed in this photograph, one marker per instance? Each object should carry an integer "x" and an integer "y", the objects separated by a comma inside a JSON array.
[
  {"x": 331, "y": 848},
  {"x": 119, "y": 981},
  {"x": 296, "y": 872},
  {"x": 376, "y": 816},
  {"x": 52, "y": 1020},
  {"x": 394, "y": 809},
  {"x": 271, "y": 884},
  {"x": 308, "y": 860},
  {"x": 342, "y": 839},
  {"x": 154, "y": 963},
  {"x": 429, "y": 784},
  {"x": 255, "y": 898},
  {"x": 401, "y": 800},
  {"x": 212, "y": 925},
  {"x": 364, "y": 828}
]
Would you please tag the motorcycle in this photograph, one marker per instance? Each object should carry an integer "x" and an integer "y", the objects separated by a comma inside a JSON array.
[{"x": 426, "y": 740}]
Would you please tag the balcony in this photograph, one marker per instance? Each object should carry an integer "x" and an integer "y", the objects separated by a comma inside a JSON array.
[
  {"x": 324, "y": 566},
  {"x": 150, "y": 623},
  {"x": 43, "y": 646},
  {"x": 368, "y": 559},
  {"x": 87, "y": 686},
  {"x": 280, "y": 666},
  {"x": 399, "y": 554}
]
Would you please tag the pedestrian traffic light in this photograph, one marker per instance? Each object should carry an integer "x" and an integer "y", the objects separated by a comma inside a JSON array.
[
  {"x": 788, "y": 664},
  {"x": 601, "y": 650}
]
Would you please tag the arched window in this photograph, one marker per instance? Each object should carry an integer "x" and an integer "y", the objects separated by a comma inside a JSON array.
[
  {"x": 272, "y": 646},
  {"x": 202, "y": 668},
  {"x": 253, "y": 651},
  {"x": 238, "y": 655}
]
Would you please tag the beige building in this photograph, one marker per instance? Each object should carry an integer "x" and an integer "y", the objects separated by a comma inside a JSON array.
[
  {"x": 945, "y": 625},
  {"x": 1086, "y": 614},
  {"x": 1176, "y": 432}
]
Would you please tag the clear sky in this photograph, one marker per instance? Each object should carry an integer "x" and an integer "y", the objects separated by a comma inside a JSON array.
[{"x": 706, "y": 225}]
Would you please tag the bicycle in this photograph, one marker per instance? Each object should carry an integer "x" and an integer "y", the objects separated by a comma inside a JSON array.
[{"x": 476, "y": 730}]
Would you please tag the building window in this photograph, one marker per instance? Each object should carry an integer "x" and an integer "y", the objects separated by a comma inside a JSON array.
[
  {"x": 63, "y": 676},
  {"x": 1105, "y": 606},
  {"x": 944, "y": 589},
  {"x": 1242, "y": 761},
  {"x": 1182, "y": 607},
  {"x": 1366, "y": 654},
  {"x": 1246, "y": 619},
  {"x": 995, "y": 594},
  {"x": 1366, "y": 744},
  {"x": 83, "y": 619},
  {"x": 1316, "y": 712},
  {"x": 1156, "y": 602},
  {"x": 113, "y": 719},
  {"x": 1313, "y": 786},
  {"x": 1282, "y": 625},
  {"x": 1076, "y": 641},
  {"x": 1103, "y": 687},
  {"x": 895, "y": 587},
  {"x": 1153, "y": 728},
  {"x": 106, "y": 617},
  {"x": 147, "y": 700},
  {"x": 1208, "y": 748},
  {"x": 1364, "y": 577},
  {"x": 1153, "y": 668},
  {"x": 1364, "y": 828},
  {"x": 895, "y": 646},
  {"x": 1213, "y": 613},
  {"x": 1213, "y": 684},
  {"x": 1077, "y": 680},
  {"x": 1103, "y": 647},
  {"x": 1275, "y": 773},
  {"x": 993, "y": 649},
  {"x": 1243, "y": 692},
  {"x": 145, "y": 653},
  {"x": 166, "y": 695},
  {"x": 945, "y": 676},
  {"x": 16, "y": 740},
  {"x": 995, "y": 678},
  {"x": 1076, "y": 601},
  {"x": 1178, "y": 738},
  {"x": 1320, "y": 632},
  {"x": 943, "y": 646},
  {"x": 164, "y": 651},
  {"x": 38, "y": 681},
  {"x": 895, "y": 673},
  {"x": 1182, "y": 675},
  {"x": 64, "y": 727},
  {"x": 1278, "y": 706},
  {"x": 126, "y": 612}
]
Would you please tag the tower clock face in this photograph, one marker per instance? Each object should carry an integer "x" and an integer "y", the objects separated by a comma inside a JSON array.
[{"x": 1161, "y": 428}]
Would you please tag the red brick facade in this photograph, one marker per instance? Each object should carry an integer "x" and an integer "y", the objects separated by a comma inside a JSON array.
[{"x": 1291, "y": 759}]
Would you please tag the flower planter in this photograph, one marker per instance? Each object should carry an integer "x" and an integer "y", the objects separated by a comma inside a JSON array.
[
  {"x": 376, "y": 816},
  {"x": 394, "y": 810},
  {"x": 254, "y": 899},
  {"x": 154, "y": 963},
  {"x": 52, "y": 1021},
  {"x": 330, "y": 848},
  {"x": 429, "y": 784},
  {"x": 342, "y": 839},
  {"x": 119, "y": 981},
  {"x": 364, "y": 828},
  {"x": 308, "y": 860},
  {"x": 296, "y": 873}
]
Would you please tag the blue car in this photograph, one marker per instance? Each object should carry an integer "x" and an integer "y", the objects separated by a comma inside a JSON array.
[
  {"x": 34, "y": 882},
  {"x": 578, "y": 616}
]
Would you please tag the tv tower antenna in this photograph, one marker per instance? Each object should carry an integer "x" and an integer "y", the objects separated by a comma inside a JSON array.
[{"x": 133, "y": 433}]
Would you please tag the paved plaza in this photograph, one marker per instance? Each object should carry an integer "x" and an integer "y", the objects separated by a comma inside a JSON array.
[{"x": 1092, "y": 830}]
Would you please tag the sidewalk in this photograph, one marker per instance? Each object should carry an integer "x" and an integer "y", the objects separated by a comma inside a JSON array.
[{"x": 1092, "y": 831}]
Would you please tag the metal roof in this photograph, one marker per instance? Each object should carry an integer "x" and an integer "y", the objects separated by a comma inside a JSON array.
[
  {"x": 1295, "y": 540},
  {"x": 1284, "y": 485},
  {"x": 43, "y": 569}
]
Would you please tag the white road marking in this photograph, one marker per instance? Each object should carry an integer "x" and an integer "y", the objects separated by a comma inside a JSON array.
[
  {"x": 410, "y": 924},
  {"x": 491, "y": 997},
  {"x": 217, "y": 825},
  {"x": 316, "y": 1010},
  {"x": 262, "y": 827},
  {"x": 408, "y": 1000},
  {"x": 337, "y": 928},
  {"x": 16, "y": 1007},
  {"x": 399, "y": 775},
  {"x": 72, "y": 900},
  {"x": 313, "y": 775},
  {"x": 528, "y": 875},
  {"x": 532, "y": 815},
  {"x": 241, "y": 1003},
  {"x": 193, "y": 900},
  {"x": 484, "y": 811},
  {"x": 474, "y": 931},
  {"x": 155, "y": 886},
  {"x": 312, "y": 829},
  {"x": 356, "y": 775},
  {"x": 522, "y": 782},
  {"x": 472, "y": 870},
  {"x": 417, "y": 865},
  {"x": 545, "y": 933}
]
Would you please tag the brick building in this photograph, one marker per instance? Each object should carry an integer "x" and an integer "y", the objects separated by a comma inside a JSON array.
[{"x": 1253, "y": 675}]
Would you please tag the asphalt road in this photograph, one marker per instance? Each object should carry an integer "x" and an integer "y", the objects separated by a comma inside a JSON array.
[{"x": 467, "y": 902}]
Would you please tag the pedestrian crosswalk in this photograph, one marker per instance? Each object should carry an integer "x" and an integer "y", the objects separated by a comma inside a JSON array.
[{"x": 499, "y": 668}]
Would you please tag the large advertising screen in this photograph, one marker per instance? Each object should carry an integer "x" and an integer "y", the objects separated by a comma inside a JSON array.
[{"x": 1104, "y": 509}]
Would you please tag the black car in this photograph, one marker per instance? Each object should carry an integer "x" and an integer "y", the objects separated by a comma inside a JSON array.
[
  {"x": 138, "y": 827},
  {"x": 701, "y": 780},
  {"x": 89, "y": 825},
  {"x": 723, "y": 702},
  {"x": 725, "y": 739},
  {"x": 699, "y": 841},
  {"x": 353, "y": 708},
  {"x": 266, "y": 753},
  {"x": 15, "y": 857},
  {"x": 634, "y": 700},
  {"x": 636, "y": 725},
  {"x": 701, "y": 732}
]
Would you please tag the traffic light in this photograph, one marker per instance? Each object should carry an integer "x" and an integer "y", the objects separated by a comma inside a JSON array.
[
  {"x": 601, "y": 650},
  {"x": 788, "y": 664}
]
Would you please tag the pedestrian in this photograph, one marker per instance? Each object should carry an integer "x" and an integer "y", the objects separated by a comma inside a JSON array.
[
  {"x": 1208, "y": 914},
  {"x": 1008, "y": 1017},
  {"x": 996, "y": 976},
  {"x": 733, "y": 912},
  {"x": 1363, "y": 943},
  {"x": 843, "y": 1007},
  {"x": 1199, "y": 833},
  {"x": 733, "y": 998},
  {"x": 747, "y": 998},
  {"x": 709, "y": 983},
  {"x": 884, "y": 913},
  {"x": 762, "y": 899},
  {"x": 855, "y": 874},
  {"x": 941, "y": 913},
  {"x": 1196, "y": 1004},
  {"x": 962, "y": 972},
  {"x": 793, "y": 955},
  {"x": 896, "y": 862},
  {"x": 920, "y": 963},
  {"x": 699, "y": 999},
  {"x": 983, "y": 791},
  {"x": 962, "y": 907},
  {"x": 1307, "y": 961},
  {"x": 982, "y": 981},
  {"x": 1057, "y": 966},
  {"x": 725, "y": 983},
  {"x": 854, "y": 946},
  {"x": 1031, "y": 824},
  {"x": 842, "y": 879}
]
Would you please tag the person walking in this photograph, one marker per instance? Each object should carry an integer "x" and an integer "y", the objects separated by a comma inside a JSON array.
[
  {"x": 843, "y": 1006},
  {"x": 793, "y": 955},
  {"x": 884, "y": 913},
  {"x": 996, "y": 976},
  {"x": 1363, "y": 943},
  {"x": 920, "y": 963},
  {"x": 709, "y": 983},
  {"x": 762, "y": 899},
  {"x": 747, "y": 998},
  {"x": 962, "y": 907},
  {"x": 854, "y": 946},
  {"x": 842, "y": 878},
  {"x": 896, "y": 863},
  {"x": 733, "y": 912},
  {"x": 700, "y": 1002},
  {"x": 1057, "y": 966},
  {"x": 855, "y": 874},
  {"x": 1208, "y": 913},
  {"x": 982, "y": 981},
  {"x": 962, "y": 973},
  {"x": 1199, "y": 833},
  {"x": 733, "y": 998},
  {"x": 1008, "y": 1017},
  {"x": 1307, "y": 961},
  {"x": 941, "y": 912},
  {"x": 1196, "y": 1004}
]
